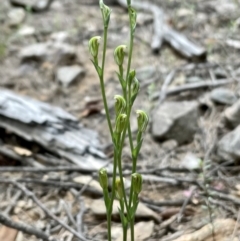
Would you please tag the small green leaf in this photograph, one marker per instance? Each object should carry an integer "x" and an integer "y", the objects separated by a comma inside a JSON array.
[{"x": 123, "y": 218}]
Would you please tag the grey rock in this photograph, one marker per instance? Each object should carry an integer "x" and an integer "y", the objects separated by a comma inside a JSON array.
[
  {"x": 223, "y": 96},
  {"x": 58, "y": 53},
  {"x": 145, "y": 73},
  {"x": 228, "y": 148},
  {"x": 176, "y": 120},
  {"x": 16, "y": 17},
  {"x": 34, "y": 5},
  {"x": 62, "y": 37},
  {"x": 220, "y": 73},
  {"x": 232, "y": 114},
  {"x": 68, "y": 74}
]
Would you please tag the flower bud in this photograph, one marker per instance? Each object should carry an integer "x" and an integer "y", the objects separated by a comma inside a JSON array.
[
  {"x": 120, "y": 104},
  {"x": 131, "y": 76},
  {"x": 120, "y": 123},
  {"x": 135, "y": 89},
  {"x": 136, "y": 183},
  {"x": 93, "y": 45},
  {"x": 118, "y": 188},
  {"x": 142, "y": 119},
  {"x": 133, "y": 18},
  {"x": 119, "y": 53},
  {"x": 103, "y": 178},
  {"x": 106, "y": 11}
]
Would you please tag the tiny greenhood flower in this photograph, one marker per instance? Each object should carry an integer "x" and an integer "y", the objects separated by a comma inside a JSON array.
[
  {"x": 93, "y": 45},
  {"x": 103, "y": 178},
  {"x": 118, "y": 188},
  {"x": 137, "y": 183},
  {"x": 132, "y": 75},
  {"x": 135, "y": 89},
  {"x": 106, "y": 12},
  {"x": 120, "y": 104},
  {"x": 142, "y": 119},
  {"x": 120, "y": 123},
  {"x": 119, "y": 53}
]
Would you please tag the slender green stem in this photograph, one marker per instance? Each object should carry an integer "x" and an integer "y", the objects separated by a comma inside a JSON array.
[
  {"x": 123, "y": 224},
  {"x": 132, "y": 221},
  {"x": 101, "y": 77},
  {"x": 109, "y": 219}
]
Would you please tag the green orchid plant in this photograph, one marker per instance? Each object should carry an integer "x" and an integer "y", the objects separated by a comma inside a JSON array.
[{"x": 123, "y": 108}]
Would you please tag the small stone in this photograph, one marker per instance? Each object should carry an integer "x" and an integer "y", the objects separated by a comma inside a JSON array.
[
  {"x": 232, "y": 114},
  {"x": 190, "y": 161},
  {"x": 26, "y": 31},
  {"x": 62, "y": 37},
  {"x": 145, "y": 73},
  {"x": 68, "y": 74},
  {"x": 194, "y": 79},
  {"x": 59, "y": 53},
  {"x": 34, "y": 5},
  {"x": 144, "y": 18},
  {"x": 184, "y": 12},
  {"x": 16, "y": 17},
  {"x": 176, "y": 120},
  {"x": 228, "y": 148},
  {"x": 220, "y": 73},
  {"x": 223, "y": 96},
  {"x": 38, "y": 52}
]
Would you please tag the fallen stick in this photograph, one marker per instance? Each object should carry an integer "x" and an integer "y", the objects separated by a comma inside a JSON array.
[
  {"x": 194, "y": 86},
  {"x": 32, "y": 196},
  {"x": 23, "y": 227},
  {"x": 162, "y": 32}
]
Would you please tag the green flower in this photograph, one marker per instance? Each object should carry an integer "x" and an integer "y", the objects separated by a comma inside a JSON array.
[
  {"x": 137, "y": 182},
  {"x": 120, "y": 104},
  {"x": 103, "y": 178},
  {"x": 142, "y": 119},
  {"x": 93, "y": 45},
  {"x": 119, "y": 53}
]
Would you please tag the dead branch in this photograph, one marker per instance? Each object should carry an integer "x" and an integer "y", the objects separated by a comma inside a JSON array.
[
  {"x": 32, "y": 196},
  {"x": 162, "y": 32},
  {"x": 23, "y": 227},
  {"x": 195, "y": 86}
]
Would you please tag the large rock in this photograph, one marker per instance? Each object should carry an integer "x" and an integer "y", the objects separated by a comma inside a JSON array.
[
  {"x": 232, "y": 114},
  {"x": 49, "y": 51},
  {"x": 223, "y": 96},
  {"x": 68, "y": 74},
  {"x": 228, "y": 148},
  {"x": 16, "y": 17},
  {"x": 34, "y": 5},
  {"x": 176, "y": 120}
]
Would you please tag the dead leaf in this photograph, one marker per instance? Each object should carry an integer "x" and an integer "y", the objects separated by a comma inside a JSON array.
[
  {"x": 22, "y": 151},
  {"x": 8, "y": 234}
]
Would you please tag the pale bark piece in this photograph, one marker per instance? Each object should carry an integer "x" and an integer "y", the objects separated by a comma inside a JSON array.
[
  {"x": 52, "y": 128},
  {"x": 223, "y": 230},
  {"x": 142, "y": 231},
  {"x": 98, "y": 208},
  {"x": 8, "y": 234}
]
